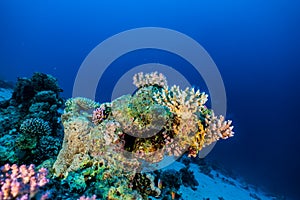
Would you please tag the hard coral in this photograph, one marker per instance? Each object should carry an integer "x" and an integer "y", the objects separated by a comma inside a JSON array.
[
  {"x": 100, "y": 114},
  {"x": 153, "y": 79},
  {"x": 35, "y": 126},
  {"x": 22, "y": 182},
  {"x": 75, "y": 145},
  {"x": 36, "y": 138},
  {"x": 217, "y": 128}
]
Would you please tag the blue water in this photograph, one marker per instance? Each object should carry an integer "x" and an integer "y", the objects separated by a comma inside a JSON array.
[{"x": 254, "y": 43}]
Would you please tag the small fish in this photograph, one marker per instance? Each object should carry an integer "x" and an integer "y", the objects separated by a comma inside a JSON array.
[
  {"x": 173, "y": 194},
  {"x": 160, "y": 183}
]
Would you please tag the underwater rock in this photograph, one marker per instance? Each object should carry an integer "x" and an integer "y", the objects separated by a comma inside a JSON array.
[{"x": 188, "y": 178}]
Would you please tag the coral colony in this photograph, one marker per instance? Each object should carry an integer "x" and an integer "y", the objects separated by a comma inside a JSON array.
[{"x": 106, "y": 146}]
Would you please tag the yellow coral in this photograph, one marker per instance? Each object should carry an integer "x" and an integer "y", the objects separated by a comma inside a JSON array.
[{"x": 197, "y": 141}]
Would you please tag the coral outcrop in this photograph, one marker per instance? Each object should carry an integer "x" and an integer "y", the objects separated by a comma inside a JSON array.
[
  {"x": 106, "y": 146},
  {"x": 30, "y": 121}
]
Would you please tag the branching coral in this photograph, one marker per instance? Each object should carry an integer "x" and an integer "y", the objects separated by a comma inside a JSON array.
[
  {"x": 152, "y": 79},
  {"x": 99, "y": 115},
  {"x": 88, "y": 198},
  {"x": 22, "y": 182},
  {"x": 184, "y": 104},
  {"x": 35, "y": 137},
  {"x": 217, "y": 128},
  {"x": 181, "y": 102},
  {"x": 35, "y": 126}
]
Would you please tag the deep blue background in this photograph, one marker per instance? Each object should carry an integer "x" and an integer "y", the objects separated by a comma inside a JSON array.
[{"x": 254, "y": 43}]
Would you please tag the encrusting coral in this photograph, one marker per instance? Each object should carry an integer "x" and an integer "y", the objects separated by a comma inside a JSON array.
[{"x": 106, "y": 145}]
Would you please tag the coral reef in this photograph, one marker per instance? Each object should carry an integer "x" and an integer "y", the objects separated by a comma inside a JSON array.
[
  {"x": 110, "y": 150},
  {"x": 106, "y": 148},
  {"x": 88, "y": 160},
  {"x": 30, "y": 121}
]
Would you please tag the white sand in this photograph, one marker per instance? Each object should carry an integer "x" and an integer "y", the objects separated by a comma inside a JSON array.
[{"x": 217, "y": 186}]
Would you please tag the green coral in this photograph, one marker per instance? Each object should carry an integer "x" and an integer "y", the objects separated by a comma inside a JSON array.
[
  {"x": 144, "y": 121},
  {"x": 140, "y": 115}
]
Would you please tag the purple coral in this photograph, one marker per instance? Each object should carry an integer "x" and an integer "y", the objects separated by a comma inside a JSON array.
[
  {"x": 88, "y": 198},
  {"x": 99, "y": 115},
  {"x": 22, "y": 182}
]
